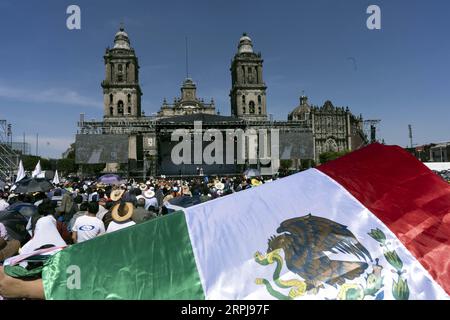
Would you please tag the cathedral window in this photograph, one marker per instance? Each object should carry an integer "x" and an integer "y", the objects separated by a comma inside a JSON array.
[
  {"x": 243, "y": 100},
  {"x": 259, "y": 110},
  {"x": 129, "y": 98},
  {"x": 129, "y": 110},
  {"x": 120, "y": 78},
  {"x": 111, "y": 111},
  {"x": 120, "y": 107},
  {"x": 259, "y": 100},
  {"x": 120, "y": 68},
  {"x": 111, "y": 97},
  {"x": 251, "y": 107},
  {"x": 243, "y": 109}
]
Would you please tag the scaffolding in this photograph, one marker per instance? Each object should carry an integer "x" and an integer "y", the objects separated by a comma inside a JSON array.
[{"x": 9, "y": 159}]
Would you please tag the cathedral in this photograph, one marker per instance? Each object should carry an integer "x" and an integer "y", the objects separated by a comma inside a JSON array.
[{"x": 143, "y": 143}]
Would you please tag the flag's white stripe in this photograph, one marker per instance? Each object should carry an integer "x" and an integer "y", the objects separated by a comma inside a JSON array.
[{"x": 226, "y": 232}]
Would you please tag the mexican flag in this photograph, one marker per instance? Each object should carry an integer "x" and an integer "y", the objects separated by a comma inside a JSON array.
[{"x": 374, "y": 224}]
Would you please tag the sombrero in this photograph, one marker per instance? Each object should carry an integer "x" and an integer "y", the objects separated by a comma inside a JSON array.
[
  {"x": 219, "y": 186},
  {"x": 256, "y": 182},
  {"x": 116, "y": 194},
  {"x": 149, "y": 194},
  {"x": 122, "y": 211}
]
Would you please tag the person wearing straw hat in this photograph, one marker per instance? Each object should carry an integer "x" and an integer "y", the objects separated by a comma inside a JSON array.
[
  {"x": 121, "y": 215},
  {"x": 116, "y": 195},
  {"x": 255, "y": 182},
  {"x": 219, "y": 186},
  {"x": 150, "y": 199}
]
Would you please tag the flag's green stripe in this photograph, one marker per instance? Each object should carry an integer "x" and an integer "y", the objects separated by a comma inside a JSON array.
[{"x": 152, "y": 260}]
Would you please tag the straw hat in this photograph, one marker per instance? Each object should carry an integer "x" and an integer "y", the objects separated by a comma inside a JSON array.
[
  {"x": 116, "y": 194},
  {"x": 256, "y": 182},
  {"x": 219, "y": 186},
  {"x": 143, "y": 186},
  {"x": 149, "y": 194},
  {"x": 122, "y": 211}
]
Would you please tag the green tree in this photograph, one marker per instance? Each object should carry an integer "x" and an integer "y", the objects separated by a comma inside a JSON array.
[
  {"x": 66, "y": 166},
  {"x": 93, "y": 169},
  {"x": 30, "y": 162},
  {"x": 307, "y": 163},
  {"x": 71, "y": 154},
  {"x": 286, "y": 164},
  {"x": 331, "y": 155}
]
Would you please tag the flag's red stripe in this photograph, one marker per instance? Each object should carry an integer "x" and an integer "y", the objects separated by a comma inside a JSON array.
[{"x": 409, "y": 198}]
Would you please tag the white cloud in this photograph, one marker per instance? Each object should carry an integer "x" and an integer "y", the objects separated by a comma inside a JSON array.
[{"x": 53, "y": 95}]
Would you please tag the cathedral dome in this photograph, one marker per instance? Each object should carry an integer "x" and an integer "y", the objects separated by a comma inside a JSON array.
[
  {"x": 301, "y": 111},
  {"x": 121, "y": 40},
  {"x": 245, "y": 44}
]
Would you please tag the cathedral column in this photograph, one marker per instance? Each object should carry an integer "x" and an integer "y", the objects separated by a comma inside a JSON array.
[
  {"x": 259, "y": 69},
  {"x": 130, "y": 73},
  {"x": 108, "y": 72}
]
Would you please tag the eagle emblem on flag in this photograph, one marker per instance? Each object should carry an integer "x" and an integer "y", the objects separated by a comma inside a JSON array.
[{"x": 304, "y": 242}]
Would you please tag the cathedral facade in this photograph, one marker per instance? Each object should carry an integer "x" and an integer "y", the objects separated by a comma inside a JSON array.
[{"x": 309, "y": 129}]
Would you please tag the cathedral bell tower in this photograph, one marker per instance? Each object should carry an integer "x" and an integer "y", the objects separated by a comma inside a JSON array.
[
  {"x": 121, "y": 90},
  {"x": 248, "y": 90}
]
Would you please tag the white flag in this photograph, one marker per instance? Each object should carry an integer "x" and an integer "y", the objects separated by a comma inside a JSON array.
[
  {"x": 37, "y": 171},
  {"x": 56, "y": 178},
  {"x": 20, "y": 172}
]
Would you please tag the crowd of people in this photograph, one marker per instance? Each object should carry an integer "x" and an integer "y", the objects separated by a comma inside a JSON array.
[
  {"x": 444, "y": 174},
  {"x": 76, "y": 211}
]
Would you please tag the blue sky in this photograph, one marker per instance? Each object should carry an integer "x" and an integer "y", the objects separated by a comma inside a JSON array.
[{"x": 50, "y": 74}]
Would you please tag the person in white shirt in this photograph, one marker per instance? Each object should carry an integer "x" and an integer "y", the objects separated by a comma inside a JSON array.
[
  {"x": 150, "y": 200},
  {"x": 121, "y": 215},
  {"x": 45, "y": 232},
  {"x": 88, "y": 226}
]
